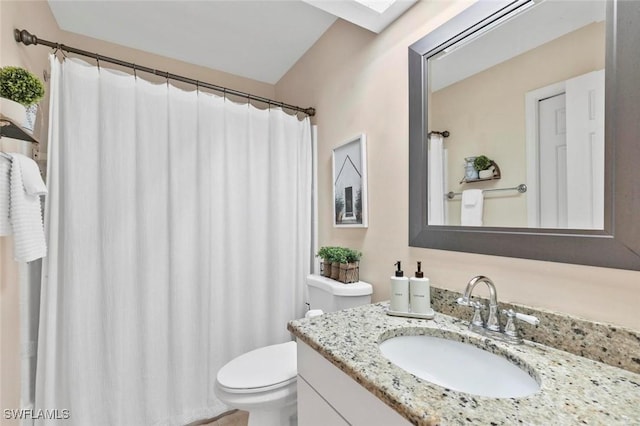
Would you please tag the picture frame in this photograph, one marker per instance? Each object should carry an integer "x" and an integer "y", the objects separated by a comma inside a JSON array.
[{"x": 350, "y": 184}]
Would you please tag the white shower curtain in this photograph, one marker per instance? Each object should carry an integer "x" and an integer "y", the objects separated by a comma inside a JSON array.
[{"x": 179, "y": 226}]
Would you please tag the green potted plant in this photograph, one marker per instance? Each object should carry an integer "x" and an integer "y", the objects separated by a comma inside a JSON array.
[
  {"x": 326, "y": 254},
  {"x": 337, "y": 256},
  {"x": 340, "y": 263},
  {"x": 483, "y": 165},
  {"x": 349, "y": 266},
  {"x": 20, "y": 91},
  {"x": 331, "y": 258}
]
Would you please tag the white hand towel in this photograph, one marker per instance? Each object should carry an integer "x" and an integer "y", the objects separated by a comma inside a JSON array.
[
  {"x": 25, "y": 210},
  {"x": 472, "y": 205},
  {"x": 31, "y": 177},
  {"x": 5, "y": 184}
]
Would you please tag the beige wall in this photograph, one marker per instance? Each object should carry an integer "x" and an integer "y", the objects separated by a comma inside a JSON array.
[
  {"x": 358, "y": 83},
  {"x": 485, "y": 115},
  {"x": 36, "y": 17}
]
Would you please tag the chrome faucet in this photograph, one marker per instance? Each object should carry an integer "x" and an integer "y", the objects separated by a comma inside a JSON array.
[
  {"x": 493, "y": 321},
  {"x": 492, "y": 327}
]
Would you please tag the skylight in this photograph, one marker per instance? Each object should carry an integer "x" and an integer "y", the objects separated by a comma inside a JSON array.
[
  {"x": 377, "y": 5},
  {"x": 374, "y": 15}
]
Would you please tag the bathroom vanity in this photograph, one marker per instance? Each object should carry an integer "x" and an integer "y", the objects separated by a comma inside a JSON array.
[{"x": 345, "y": 379}]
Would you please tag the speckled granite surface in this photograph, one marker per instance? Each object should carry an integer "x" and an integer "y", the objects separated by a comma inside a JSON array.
[
  {"x": 574, "y": 390},
  {"x": 602, "y": 342}
]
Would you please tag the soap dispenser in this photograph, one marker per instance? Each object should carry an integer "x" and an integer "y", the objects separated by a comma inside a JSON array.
[
  {"x": 399, "y": 291},
  {"x": 420, "y": 292}
]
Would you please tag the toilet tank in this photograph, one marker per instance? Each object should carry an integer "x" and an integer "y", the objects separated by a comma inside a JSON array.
[{"x": 330, "y": 295}]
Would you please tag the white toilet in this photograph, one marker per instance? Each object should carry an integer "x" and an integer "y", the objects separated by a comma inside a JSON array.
[{"x": 263, "y": 381}]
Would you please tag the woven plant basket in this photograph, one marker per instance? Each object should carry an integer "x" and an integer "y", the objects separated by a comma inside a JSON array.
[
  {"x": 349, "y": 273},
  {"x": 326, "y": 269},
  {"x": 335, "y": 270}
]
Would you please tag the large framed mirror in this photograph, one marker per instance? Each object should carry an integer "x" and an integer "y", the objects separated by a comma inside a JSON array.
[{"x": 545, "y": 97}]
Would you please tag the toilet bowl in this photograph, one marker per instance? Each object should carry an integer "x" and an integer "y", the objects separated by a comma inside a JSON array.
[{"x": 264, "y": 381}]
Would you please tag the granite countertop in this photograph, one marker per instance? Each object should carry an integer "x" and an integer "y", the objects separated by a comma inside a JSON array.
[{"x": 574, "y": 390}]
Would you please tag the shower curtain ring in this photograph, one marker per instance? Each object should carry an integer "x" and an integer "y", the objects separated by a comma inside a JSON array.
[
  {"x": 197, "y": 87},
  {"x": 61, "y": 50},
  {"x": 98, "y": 61},
  {"x": 135, "y": 72}
]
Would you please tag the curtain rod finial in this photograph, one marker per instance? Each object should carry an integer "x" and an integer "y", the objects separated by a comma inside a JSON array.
[{"x": 25, "y": 37}]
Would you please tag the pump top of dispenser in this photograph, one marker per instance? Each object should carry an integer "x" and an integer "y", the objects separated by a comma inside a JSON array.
[
  {"x": 399, "y": 271},
  {"x": 419, "y": 273}
]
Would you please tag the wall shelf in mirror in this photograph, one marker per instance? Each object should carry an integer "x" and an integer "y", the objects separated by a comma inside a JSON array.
[{"x": 495, "y": 176}]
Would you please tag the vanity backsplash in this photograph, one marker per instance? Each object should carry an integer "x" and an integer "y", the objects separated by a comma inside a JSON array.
[{"x": 609, "y": 344}]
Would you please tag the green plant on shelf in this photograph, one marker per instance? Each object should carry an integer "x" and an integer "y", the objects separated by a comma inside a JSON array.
[
  {"x": 482, "y": 162},
  {"x": 19, "y": 85}
]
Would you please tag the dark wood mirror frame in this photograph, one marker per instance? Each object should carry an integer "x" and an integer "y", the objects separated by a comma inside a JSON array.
[{"x": 618, "y": 245}]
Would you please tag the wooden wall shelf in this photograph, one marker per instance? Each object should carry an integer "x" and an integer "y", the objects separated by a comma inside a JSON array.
[
  {"x": 496, "y": 175},
  {"x": 10, "y": 129}
]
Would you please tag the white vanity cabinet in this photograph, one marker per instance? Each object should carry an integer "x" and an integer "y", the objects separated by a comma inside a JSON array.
[{"x": 328, "y": 396}]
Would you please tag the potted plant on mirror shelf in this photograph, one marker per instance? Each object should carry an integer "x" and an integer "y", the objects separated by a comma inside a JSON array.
[
  {"x": 20, "y": 91},
  {"x": 484, "y": 166}
]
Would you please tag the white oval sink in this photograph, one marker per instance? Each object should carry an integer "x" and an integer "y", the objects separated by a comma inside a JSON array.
[{"x": 459, "y": 366}]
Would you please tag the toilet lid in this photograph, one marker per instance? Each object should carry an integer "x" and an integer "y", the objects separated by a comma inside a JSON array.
[{"x": 260, "y": 368}]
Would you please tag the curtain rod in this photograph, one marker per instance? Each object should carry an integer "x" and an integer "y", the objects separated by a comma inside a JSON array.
[
  {"x": 25, "y": 37},
  {"x": 444, "y": 134}
]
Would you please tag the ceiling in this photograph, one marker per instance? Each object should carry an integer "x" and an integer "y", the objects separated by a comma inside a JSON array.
[
  {"x": 512, "y": 37},
  {"x": 257, "y": 39}
]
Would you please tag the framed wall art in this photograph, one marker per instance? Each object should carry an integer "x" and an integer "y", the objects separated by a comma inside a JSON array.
[{"x": 350, "y": 184}]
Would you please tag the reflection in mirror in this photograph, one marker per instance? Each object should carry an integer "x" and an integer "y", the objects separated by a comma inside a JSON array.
[{"x": 527, "y": 93}]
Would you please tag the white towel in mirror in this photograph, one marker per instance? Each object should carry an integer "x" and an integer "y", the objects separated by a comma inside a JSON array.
[{"x": 471, "y": 207}]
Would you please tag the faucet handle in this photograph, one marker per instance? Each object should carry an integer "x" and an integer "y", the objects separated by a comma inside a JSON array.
[
  {"x": 464, "y": 301},
  {"x": 510, "y": 328},
  {"x": 533, "y": 320},
  {"x": 477, "y": 313}
]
